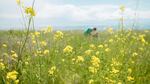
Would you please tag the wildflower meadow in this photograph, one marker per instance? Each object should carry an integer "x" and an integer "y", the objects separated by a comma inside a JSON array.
[{"x": 49, "y": 56}]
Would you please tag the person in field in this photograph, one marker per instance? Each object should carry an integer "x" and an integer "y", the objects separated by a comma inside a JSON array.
[{"x": 91, "y": 32}]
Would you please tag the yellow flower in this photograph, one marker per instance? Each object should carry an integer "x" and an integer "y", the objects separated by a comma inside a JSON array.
[
  {"x": 79, "y": 59},
  {"x": 12, "y": 51},
  {"x": 107, "y": 49},
  {"x": 12, "y": 75},
  {"x": 114, "y": 70},
  {"x": 52, "y": 70},
  {"x": 58, "y": 35},
  {"x": 119, "y": 82},
  {"x": 100, "y": 46},
  {"x": 91, "y": 81},
  {"x": 18, "y": 2},
  {"x": 73, "y": 59},
  {"x": 33, "y": 41},
  {"x": 17, "y": 81},
  {"x": 115, "y": 62},
  {"x": 95, "y": 61},
  {"x": 30, "y": 11},
  {"x": 26, "y": 63},
  {"x": 93, "y": 70},
  {"x": 63, "y": 60},
  {"x": 122, "y": 8},
  {"x": 46, "y": 52},
  {"x": 92, "y": 46},
  {"x": 132, "y": 62},
  {"x": 88, "y": 52},
  {"x": 134, "y": 54},
  {"x": 44, "y": 43},
  {"x": 141, "y": 49},
  {"x": 36, "y": 33},
  {"x": 68, "y": 49},
  {"x": 2, "y": 66},
  {"x": 4, "y": 45},
  {"x": 130, "y": 78},
  {"x": 38, "y": 51},
  {"x": 49, "y": 29},
  {"x": 14, "y": 55},
  {"x": 110, "y": 30},
  {"x": 106, "y": 45},
  {"x": 97, "y": 52},
  {"x": 129, "y": 70},
  {"x": 110, "y": 40}
]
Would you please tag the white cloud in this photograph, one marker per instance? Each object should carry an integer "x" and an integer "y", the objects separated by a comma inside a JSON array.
[
  {"x": 73, "y": 12},
  {"x": 85, "y": 12}
]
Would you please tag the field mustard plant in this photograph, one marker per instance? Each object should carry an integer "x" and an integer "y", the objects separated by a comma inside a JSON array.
[
  {"x": 12, "y": 75},
  {"x": 2, "y": 66},
  {"x": 30, "y": 11},
  {"x": 52, "y": 70},
  {"x": 68, "y": 49},
  {"x": 58, "y": 35}
]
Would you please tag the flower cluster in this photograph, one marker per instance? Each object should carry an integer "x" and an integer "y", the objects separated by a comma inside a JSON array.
[
  {"x": 58, "y": 35},
  {"x": 30, "y": 11},
  {"x": 95, "y": 61},
  {"x": 52, "y": 70},
  {"x": 68, "y": 49},
  {"x": 12, "y": 76},
  {"x": 2, "y": 66}
]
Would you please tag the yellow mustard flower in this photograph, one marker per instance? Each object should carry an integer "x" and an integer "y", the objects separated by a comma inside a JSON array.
[
  {"x": 52, "y": 70},
  {"x": 129, "y": 78},
  {"x": 129, "y": 70},
  {"x": 91, "y": 81},
  {"x": 110, "y": 40},
  {"x": 110, "y": 30},
  {"x": 79, "y": 59},
  {"x": 97, "y": 52},
  {"x": 43, "y": 43},
  {"x": 18, "y": 2},
  {"x": 47, "y": 30},
  {"x": 134, "y": 54},
  {"x": 34, "y": 42},
  {"x": 92, "y": 46},
  {"x": 30, "y": 11},
  {"x": 4, "y": 45},
  {"x": 119, "y": 83},
  {"x": 115, "y": 62},
  {"x": 14, "y": 55},
  {"x": 16, "y": 81},
  {"x": 62, "y": 60},
  {"x": 88, "y": 52},
  {"x": 100, "y": 46},
  {"x": 46, "y": 52},
  {"x": 2, "y": 66},
  {"x": 95, "y": 61},
  {"x": 12, "y": 75},
  {"x": 107, "y": 49},
  {"x": 68, "y": 49},
  {"x": 93, "y": 69},
  {"x": 26, "y": 63},
  {"x": 58, "y": 35},
  {"x": 114, "y": 71},
  {"x": 36, "y": 34}
]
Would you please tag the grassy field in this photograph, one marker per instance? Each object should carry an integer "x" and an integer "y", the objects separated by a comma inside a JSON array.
[{"x": 69, "y": 57}]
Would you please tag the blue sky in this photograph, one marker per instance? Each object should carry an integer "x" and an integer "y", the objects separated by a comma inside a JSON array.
[{"x": 75, "y": 12}]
